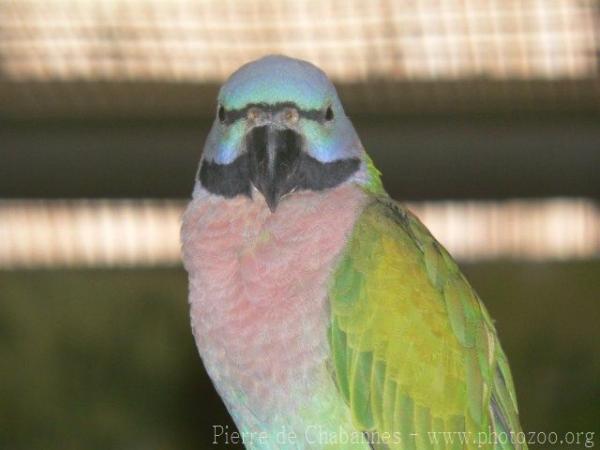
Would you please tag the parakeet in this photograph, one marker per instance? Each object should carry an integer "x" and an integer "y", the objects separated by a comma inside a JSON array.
[{"x": 325, "y": 313}]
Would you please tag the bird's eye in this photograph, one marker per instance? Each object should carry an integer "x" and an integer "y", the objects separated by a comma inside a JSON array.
[
  {"x": 221, "y": 114},
  {"x": 329, "y": 114}
]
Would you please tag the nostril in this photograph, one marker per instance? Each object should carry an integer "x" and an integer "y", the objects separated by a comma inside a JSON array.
[
  {"x": 254, "y": 114},
  {"x": 291, "y": 115}
]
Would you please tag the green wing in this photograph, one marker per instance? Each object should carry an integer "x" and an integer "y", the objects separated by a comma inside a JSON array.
[{"x": 414, "y": 350}]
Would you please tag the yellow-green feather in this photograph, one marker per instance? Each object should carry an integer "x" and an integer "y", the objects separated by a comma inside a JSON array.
[
  {"x": 414, "y": 350},
  {"x": 374, "y": 184}
]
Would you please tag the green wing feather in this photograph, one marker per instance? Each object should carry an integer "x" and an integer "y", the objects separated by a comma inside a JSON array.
[{"x": 413, "y": 348}]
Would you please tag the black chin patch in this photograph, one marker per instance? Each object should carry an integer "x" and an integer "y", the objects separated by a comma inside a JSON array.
[
  {"x": 315, "y": 175},
  {"x": 229, "y": 180}
]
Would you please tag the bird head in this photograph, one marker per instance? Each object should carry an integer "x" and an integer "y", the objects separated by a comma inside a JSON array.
[{"x": 280, "y": 128}]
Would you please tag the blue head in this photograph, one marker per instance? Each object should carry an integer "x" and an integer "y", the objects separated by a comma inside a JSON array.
[{"x": 280, "y": 127}]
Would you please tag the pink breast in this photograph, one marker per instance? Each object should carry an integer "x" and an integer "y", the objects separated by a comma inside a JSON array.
[{"x": 258, "y": 284}]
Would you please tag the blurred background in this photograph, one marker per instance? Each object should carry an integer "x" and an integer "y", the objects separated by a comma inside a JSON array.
[{"x": 484, "y": 116}]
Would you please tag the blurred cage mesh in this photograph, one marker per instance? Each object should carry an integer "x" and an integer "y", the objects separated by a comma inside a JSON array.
[
  {"x": 73, "y": 57},
  {"x": 125, "y": 233}
]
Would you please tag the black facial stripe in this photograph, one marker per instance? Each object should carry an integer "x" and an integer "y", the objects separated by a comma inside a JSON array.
[
  {"x": 233, "y": 115},
  {"x": 316, "y": 176},
  {"x": 227, "y": 180}
]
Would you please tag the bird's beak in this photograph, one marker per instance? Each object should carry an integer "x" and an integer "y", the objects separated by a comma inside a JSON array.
[{"x": 274, "y": 154}]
